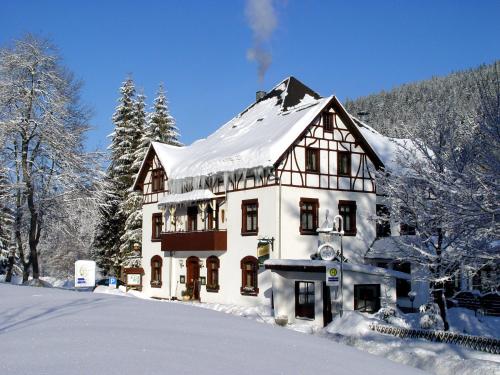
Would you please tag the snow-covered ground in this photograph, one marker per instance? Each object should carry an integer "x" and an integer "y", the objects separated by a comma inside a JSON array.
[
  {"x": 54, "y": 331},
  {"x": 437, "y": 358},
  {"x": 353, "y": 330}
]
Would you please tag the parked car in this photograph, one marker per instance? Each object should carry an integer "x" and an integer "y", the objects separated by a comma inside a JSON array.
[{"x": 105, "y": 282}]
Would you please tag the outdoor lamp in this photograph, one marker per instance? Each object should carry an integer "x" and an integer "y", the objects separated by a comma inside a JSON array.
[{"x": 411, "y": 296}]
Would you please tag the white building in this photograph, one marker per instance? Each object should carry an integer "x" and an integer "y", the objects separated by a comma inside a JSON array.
[{"x": 257, "y": 188}]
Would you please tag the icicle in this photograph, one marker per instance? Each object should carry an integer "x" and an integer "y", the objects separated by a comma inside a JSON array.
[
  {"x": 244, "y": 173},
  {"x": 226, "y": 181}
]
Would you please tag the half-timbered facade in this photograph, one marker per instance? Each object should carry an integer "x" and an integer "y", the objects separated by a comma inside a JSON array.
[{"x": 258, "y": 188}]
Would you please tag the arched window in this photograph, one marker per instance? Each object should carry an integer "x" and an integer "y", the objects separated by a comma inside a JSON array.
[
  {"x": 249, "y": 272},
  {"x": 213, "y": 265},
  {"x": 156, "y": 263}
]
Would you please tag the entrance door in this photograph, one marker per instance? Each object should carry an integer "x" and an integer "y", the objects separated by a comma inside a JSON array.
[
  {"x": 193, "y": 276},
  {"x": 304, "y": 299},
  {"x": 327, "y": 305}
]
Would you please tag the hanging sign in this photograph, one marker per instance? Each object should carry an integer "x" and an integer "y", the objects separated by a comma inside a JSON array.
[
  {"x": 333, "y": 275},
  {"x": 263, "y": 251},
  {"x": 84, "y": 274}
]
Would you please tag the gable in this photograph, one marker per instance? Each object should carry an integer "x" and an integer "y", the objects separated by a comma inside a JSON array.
[
  {"x": 351, "y": 129},
  {"x": 151, "y": 161}
]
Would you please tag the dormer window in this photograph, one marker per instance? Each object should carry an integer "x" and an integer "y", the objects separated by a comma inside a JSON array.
[{"x": 157, "y": 180}]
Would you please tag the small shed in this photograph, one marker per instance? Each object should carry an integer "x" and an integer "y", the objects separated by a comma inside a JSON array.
[{"x": 300, "y": 290}]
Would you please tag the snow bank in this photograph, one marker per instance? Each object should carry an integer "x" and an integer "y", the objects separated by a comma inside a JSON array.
[
  {"x": 55, "y": 331},
  {"x": 352, "y": 323},
  {"x": 465, "y": 321}
]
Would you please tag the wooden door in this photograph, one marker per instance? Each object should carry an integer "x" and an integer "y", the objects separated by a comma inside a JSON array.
[{"x": 193, "y": 276}]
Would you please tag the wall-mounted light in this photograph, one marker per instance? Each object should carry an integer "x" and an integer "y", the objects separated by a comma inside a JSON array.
[
  {"x": 201, "y": 264},
  {"x": 181, "y": 263}
]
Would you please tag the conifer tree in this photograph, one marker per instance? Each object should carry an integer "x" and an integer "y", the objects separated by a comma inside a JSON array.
[
  {"x": 162, "y": 124},
  {"x": 132, "y": 204},
  {"x": 123, "y": 143}
]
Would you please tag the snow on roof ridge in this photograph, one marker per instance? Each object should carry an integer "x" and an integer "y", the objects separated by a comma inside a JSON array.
[{"x": 255, "y": 138}]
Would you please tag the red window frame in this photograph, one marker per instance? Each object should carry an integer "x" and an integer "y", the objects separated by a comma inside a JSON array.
[
  {"x": 328, "y": 121},
  {"x": 157, "y": 226},
  {"x": 213, "y": 265},
  {"x": 156, "y": 266},
  {"x": 347, "y": 209},
  {"x": 157, "y": 180},
  {"x": 309, "y": 209},
  {"x": 249, "y": 276},
  {"x": 249, "y": 215}
]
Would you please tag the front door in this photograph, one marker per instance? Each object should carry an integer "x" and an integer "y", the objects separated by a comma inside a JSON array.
[{"x": 193, "y": 276}]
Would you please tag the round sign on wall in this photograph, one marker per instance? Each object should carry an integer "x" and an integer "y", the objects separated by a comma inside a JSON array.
[{"x": 326, "y": 251}]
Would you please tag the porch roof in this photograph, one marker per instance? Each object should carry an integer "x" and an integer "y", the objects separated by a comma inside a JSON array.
[{"x": 305, "y": 265}]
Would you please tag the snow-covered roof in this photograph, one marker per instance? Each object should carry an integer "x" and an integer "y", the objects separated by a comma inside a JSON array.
[
  {"x": 386, "y": 148},
  {"x": 256, "y": 137},
  {"x": 362, "y": 268},
  {"x": 389, "y": 248},
  {"x": 191, "y": 196}
]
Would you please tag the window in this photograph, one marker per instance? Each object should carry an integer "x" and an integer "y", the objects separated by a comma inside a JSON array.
[
  {"x": 250, "y": 217},
  {"x": 210, "y": 218},
  {"x": 308, "y": 216},
  {"x": 157, "y": 226},
  {"x": 192, "y": 216},
  {"x": 304, "y": 299},
  {"x": 383, "y": 223},
  {"x": 403, "y": 287},
  {"x": 343, "y": 163},
  {"x": 157, "y": 180},
  {"x": 328, "y": 121},
  {"x": 367, "y": 297},
  {"x": 213, "y": 265},
  {"x": 407, "y": 225},
  {"x": 312, "y": 159},
  {"x": 156, "y": 263},
  {"x": 249, "y": 268},
  {"x": 347, "y": 209}
]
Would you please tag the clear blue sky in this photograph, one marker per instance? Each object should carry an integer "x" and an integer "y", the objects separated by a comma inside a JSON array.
[{"x": 198, "y": 49}]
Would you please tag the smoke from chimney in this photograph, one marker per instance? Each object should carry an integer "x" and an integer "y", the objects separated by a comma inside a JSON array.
[{"x": 261, "y": 18}]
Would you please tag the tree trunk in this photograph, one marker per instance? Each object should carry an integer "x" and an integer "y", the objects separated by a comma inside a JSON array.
[
  {"x": 438, "y": 292},
  {"x": 439, "y": 298},
  {"x": 10, "y": 265}
]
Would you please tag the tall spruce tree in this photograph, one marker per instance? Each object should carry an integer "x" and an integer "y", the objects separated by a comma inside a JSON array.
[
  {"x": 162, "y": 124},
  {"x": 132, "y": 204},
  {"x": 124, "y": 141}
]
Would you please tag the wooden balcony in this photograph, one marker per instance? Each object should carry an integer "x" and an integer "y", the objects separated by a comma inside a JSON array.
[{"x": 194, "y": 241}]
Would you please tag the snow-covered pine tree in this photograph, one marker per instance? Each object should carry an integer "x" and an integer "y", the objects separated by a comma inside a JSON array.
[
  {"x": 162, "y": 124},
  {"x": 132, "y": 204},
  {"x": 124, "y": 140}
]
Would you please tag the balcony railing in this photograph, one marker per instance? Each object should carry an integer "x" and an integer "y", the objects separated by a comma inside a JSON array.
[{"x": 194, "y": 241}]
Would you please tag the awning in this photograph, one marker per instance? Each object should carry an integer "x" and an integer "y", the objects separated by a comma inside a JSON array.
[{"x": 191, "y": 196}]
